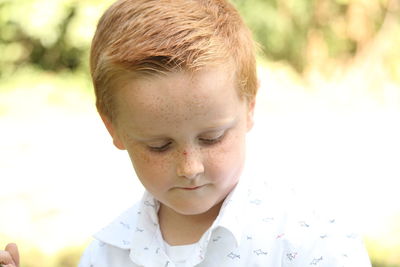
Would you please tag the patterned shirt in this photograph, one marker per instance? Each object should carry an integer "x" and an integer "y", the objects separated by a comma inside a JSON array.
[{"x": 257, "y": 226}]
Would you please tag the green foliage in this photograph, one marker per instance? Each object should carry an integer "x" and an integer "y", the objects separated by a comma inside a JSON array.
[
  {"x": 28, "y": 39},
  {"x": 287, "y": 29},
  {"x": 279, "y": 29},
  {"x": 51, "y": 35}
]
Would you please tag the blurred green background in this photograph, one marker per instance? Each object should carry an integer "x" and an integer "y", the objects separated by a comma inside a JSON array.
[{"x": 340, "y": 55}]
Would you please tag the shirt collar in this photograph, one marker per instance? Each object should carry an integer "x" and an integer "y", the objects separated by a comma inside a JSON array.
[
  {"x": 137, "y": 230},
  {"x": 229, "y": 216},
  {"x": 119, "y": 233}
]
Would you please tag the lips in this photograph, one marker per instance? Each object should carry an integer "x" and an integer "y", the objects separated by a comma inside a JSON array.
[{"x": 191, "y": 188}]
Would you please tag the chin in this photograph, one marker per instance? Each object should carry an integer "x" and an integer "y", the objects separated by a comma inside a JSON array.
[{"x": 192, "y": 209}]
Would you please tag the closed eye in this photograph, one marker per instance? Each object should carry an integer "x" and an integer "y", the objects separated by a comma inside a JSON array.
[
  {"x": 212, "y": 141},
  {"x": 160, "y": 148}
]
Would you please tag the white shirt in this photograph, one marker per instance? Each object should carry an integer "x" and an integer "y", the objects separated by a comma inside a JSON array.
[
  {"x": 179, "y": 254},
  {"x": 256, "y": 226}
]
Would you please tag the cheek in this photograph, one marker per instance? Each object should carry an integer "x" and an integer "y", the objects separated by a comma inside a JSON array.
[
  {"x": 148, "y": 168},
  {"x": 226, "y": 161}
]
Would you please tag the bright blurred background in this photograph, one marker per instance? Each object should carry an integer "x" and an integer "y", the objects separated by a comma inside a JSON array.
[{"x": 327, "y": 121}]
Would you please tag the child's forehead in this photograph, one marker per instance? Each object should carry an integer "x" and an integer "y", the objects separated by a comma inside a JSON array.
[
  {"x": 184, "y": 81},
  {"x": 180, "y": 95}
]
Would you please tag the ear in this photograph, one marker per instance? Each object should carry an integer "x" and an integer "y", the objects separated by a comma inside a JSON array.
[
  {"x": 113, "y": 132},
  {"x": 250, "y": 114}
]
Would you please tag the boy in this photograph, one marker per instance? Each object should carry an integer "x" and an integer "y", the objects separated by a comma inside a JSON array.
[{"x": 175, "y": 82}]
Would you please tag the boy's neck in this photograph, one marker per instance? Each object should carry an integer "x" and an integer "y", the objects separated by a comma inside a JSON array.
[{"x": 178, "y": 229}]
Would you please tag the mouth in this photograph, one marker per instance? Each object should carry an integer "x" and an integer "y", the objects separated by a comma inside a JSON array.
[{"x": 191, "y": 188}]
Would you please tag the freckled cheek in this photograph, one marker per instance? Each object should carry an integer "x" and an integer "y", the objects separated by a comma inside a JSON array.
[
  {"x": 226, "y": 160},
  {"x": 151, "y": 170}
]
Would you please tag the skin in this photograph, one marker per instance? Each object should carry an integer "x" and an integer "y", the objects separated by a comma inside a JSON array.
[
  {"x": 9, "y": 257},
  {"x": 185, "y": 134}
]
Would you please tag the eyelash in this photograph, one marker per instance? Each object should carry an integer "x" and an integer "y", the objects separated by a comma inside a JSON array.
[
  {"x": 161, "y": 148},
  {"x": 212, "y": 141},
  {"x": 206, "y": 141}
]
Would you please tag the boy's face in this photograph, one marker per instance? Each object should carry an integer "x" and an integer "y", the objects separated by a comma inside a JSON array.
[{"x": 185, "y": 134}]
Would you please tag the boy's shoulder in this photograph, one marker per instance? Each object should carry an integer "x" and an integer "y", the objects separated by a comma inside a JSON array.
[
  {"x": 290, "y": 212},
  {"x": 278, "y": 220}
]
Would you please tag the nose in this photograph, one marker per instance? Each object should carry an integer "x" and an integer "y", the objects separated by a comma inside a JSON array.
[{"x": 190, "y": 163}]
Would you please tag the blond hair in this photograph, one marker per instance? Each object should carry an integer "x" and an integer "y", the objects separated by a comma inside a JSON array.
[{"x": 142, "y": 37}]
